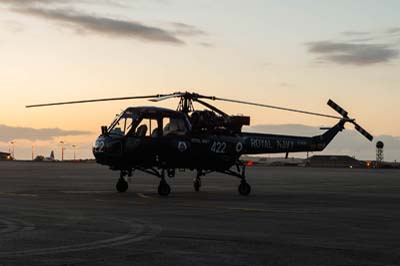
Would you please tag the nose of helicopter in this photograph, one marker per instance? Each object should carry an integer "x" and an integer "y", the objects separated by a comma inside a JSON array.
[
  {"x": 99, "y": 149},
  {"x": 107, "y": 149},
  {"x": 98, "y": 146}
]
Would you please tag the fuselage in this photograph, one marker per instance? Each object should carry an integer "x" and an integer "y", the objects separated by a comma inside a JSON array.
[{"x": 130, "y": 143}]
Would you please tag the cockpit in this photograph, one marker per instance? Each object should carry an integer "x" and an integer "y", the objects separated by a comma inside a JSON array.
[{"x": 150, "y": 122}]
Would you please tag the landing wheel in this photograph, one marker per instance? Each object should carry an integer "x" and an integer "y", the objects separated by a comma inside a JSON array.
[
  {"x": 164, "y": 189},
  {"x": 197, "y": 184},
  {"x": 244, "y": 188},
  {"x": 122, "y": 185}
]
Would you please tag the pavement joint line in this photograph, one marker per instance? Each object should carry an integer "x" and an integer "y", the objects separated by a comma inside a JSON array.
[
  {"x": 143, "y": 196},
  {"x": 140, "y": 231},
  {"x": 17, "y": 194},
  {"x": 15, "y": 225},
  {"x": 246, "y": 209},
  {"x": 86, "y": 191},
  {"x": 226, "y": 208}
]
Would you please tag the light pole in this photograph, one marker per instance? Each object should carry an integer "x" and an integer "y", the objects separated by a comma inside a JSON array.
[
  {"x": 62, "y": 150},
  {"x": 33, "y": 152},
  {"x": 74, "y": 146},
  {"x": 13, "y": 149}
]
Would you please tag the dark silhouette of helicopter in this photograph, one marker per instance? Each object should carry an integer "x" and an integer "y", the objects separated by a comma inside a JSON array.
[{"x": 158, "y": 140}]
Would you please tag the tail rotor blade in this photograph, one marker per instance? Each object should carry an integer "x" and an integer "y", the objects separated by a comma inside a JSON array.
[
  {"x": 337, "y": 108},
  {"x": 363, "y": 131}
]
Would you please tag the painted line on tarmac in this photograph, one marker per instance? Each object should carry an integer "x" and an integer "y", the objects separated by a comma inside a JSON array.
[
  {"x": 86, "y": 191},
  {"x": 246, "y": 209},
  {"x": 9, "y": 226},
  {"x": 13, "y": 194},
  {"x": 15, "y": 225},
  {"x": 143, "y": 196},
  {"x": 140, "y": 231}
]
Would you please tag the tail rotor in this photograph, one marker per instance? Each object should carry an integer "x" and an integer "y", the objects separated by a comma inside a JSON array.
[{"x": 345, "y": 116}]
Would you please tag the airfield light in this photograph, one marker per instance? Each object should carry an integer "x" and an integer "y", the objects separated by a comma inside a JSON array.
[
  {"x": 13, "y": 148},
  {"x": 62, "y": 150},
  {"x": 74, "y": 146},
  {"x": 379, "y": 154}
]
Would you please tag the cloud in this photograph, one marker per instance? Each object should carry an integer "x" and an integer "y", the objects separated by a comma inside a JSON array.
[
  {"x": 206, "y": 44},
  {"x": 80, "y": 22},
  {"x": 285, "y": 84},
  {"x": 8, "y": 133},
  {"x": 36, "y": 2},
  {"x": 101, "y": 25},
  {"x": 363, "y": 40},
  {"x": 348, "y": 142},
  {"x": 352, "y": 53},
  {"x": 31, "y": 2},
  {"x": 393, "y": 30},
  {"x": 355, "y": 33},
  {"x": 186, "y": 30}
]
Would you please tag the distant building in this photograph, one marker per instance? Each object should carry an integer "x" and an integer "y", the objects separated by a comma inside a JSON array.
[
  {"x": 335, "y": 161},
  {"x": 4, "y": 156},
  {"x": 273, "y": 161}
]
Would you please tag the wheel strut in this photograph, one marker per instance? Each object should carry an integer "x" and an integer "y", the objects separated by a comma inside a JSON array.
[
  {"x": 163, "y": 188},
  {"x": 197, "y": 181}
]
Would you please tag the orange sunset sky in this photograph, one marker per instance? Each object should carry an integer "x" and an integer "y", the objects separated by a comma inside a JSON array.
[{"x": 296, "y": 54}]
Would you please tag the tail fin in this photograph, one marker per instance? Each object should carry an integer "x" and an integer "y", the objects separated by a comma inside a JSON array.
[{"x": 321, "y": 141}]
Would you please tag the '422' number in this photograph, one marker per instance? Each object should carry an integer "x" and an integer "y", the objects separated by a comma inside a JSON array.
[{"x": 218, "y": 147}]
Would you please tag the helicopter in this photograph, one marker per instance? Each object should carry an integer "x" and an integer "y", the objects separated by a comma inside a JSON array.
[{"x": 158, "y": 141}]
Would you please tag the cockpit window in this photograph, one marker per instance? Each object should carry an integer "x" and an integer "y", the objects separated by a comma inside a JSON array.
[
  {"x": 148, "y": 127},
  {"x": 149, "y": 124},
  {"x": 174, "y": 126},
  {"x": 123, "y": 123},
  {"x": 122, "y": 126}
]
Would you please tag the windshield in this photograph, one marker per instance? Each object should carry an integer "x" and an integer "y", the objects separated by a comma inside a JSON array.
[{"x": 123, "y": 123}]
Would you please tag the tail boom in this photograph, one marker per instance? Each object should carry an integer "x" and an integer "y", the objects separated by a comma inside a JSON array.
[
  {"x": 267, "y": 143},
  {"x": 255, "y": 143}
]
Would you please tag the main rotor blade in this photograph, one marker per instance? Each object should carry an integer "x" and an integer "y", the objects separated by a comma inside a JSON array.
[
  {"x": 95, "y": 100},
  {"x": 166, "y": 97},
  {"x": 188, "y": 95},
  {"x": 363, "y": 131},
  {"x": 278, "y": 108}
]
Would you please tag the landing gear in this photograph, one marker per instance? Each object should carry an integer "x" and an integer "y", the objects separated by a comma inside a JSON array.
[
  {"x": 164, "y": 189},
  {"x": 244, "y": 188},
  {"x": 197, "y": 184},
  {"x": 122, "y": 185},
  {"x": 197, "y": 180}
]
